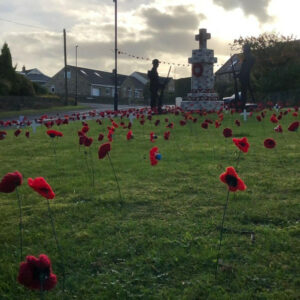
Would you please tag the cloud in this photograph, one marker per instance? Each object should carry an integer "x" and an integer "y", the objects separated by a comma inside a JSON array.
[{"x": 257, "y": 8}]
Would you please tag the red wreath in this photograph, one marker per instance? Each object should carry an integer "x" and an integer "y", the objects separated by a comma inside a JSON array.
[{"x": 197, "y": 70}]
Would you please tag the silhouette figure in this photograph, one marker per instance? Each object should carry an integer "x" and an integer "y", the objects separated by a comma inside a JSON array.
[
  {"x": 155, "y": 85},
  {"x": 244, "y": 75}
]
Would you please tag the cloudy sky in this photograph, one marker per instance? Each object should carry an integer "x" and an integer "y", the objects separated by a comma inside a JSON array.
[{"x": 163, "y": 29}]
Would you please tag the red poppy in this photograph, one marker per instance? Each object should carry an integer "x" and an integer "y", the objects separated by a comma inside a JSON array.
[
  {"x": 170, "y": 125},
  {"x": 237, "y": 123},
  {"x": 269, "y": 143},
  {"x": 129, "y": 135},
  {"x": 129, "y": 125},
  {"x": 152, "y": 136},
  {"x": 231, "y": 178},
  {"x": 27, "y": 133},
  {"x": 157, "y": 122},
  {"x": 85, "y": 129},
  {"x": 3, "y": 135},
  {"x": 54, "y": 133},
  {"x": 295, "y": 114},
  {"x": 110, "y": 135},
  {"x": 227, "y": 132},
  {"x": 274, "y": 119},
  {"x": 204, "y": 125},
  {"x": 195, "y": 120},
  {"x": 294, "y": 126},
  {"x": 167, "y": 135},
  {"x": 152, "y": 154},
  {"x": 278, "y": 128},
  {"x": 82, "y": 139},
  {"x": 217, "y": 124},
  {"x": 100, "y": 137},
  {"x": 10, "y": 181},
  {"x": 182, "y": 122},
  {"x": 242, "y": 144},
  {"x": 88, "y": 141},
  {"x": 142, "y": 122},
  {"x": 40, "y": 185},
  {"x": 17, "y": 132},
  {"x": 33, "y": 270},
  {"x": 166, "y": 120},
  {"x": 103, "y": 150}
]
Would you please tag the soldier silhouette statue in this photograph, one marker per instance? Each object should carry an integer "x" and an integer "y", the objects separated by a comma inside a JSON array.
[
  {"x": 155, "y": 86},
  {"x": 244, "y": 75}
]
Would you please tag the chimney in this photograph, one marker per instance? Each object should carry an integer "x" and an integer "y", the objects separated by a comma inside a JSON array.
[{"x": 23, "y": 69}]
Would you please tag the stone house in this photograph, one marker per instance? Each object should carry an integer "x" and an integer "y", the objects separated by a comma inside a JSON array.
[
  {"x": 90, "y": 83},
  {"x": 35, "y": 75},
  {"x": 225, "y": 74}
]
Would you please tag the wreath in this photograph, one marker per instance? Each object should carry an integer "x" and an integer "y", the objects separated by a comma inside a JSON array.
[{"x": 197, "y": 70}]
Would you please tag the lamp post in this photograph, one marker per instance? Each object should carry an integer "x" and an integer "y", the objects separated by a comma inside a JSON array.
[
  {"x": 76, "y": 92},
  {"x": 116, "y": 58}
]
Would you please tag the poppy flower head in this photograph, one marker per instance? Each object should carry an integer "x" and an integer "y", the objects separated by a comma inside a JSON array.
[
  {"x": 269, "y": 143},
  {"x": 274, "y": 119},
  {"x": 3, "y": 135},
  {"x": 41, "y": 186},
  {"x": 278, "y": 128},
  {"x": 217, "y": 124},
  {"x": 182, "y": 122},
  {"x": 237, "y": 123},
  {"x": 110, "y": 135},
  {"x": 152, "y": 136},
  {"x": 170, "y": 125},
  {"x": 54, "y": 133},
  {"x": 242, "y": 144},
  {"x": 129, "y": 135},
  {"x": 34, "y": 270},
  {"x": 153, "y": 156},
  {"x": 294, "y": 126},
  {"x": 88, "y": 141},
  {"x": 17, "y": 132},
  {"x": 167, "y": 135},
  {"x": 100, "y": 137},
  {"x": 258, "y": 118},
  {"x": 104, "y": 150},
  {"x": 233, "y": 181},
  {"x": 10, "y": 181},
  {"x": 204, "y": 125},
  {"x": 27, "y": 133},
  {"x": 227, "y": 132},
  {"x": 157, "y": 122}
]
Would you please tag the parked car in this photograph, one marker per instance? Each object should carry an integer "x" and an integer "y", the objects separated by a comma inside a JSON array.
[
  {"x": 228, "y": 100},
  {"x": 251, "y": 106}
]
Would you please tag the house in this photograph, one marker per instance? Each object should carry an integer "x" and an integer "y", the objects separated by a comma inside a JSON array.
[
  {"x": 35, "y": 75},
  {"x": 90, "y": 83},
  {"x": 225, "y": 73},
  {"x": 134, "y": 85}
]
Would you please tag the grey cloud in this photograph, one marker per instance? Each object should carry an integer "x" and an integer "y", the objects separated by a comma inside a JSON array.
[
  {"x": 177, "y": 18},
  {"x": 257, "y": 8}
]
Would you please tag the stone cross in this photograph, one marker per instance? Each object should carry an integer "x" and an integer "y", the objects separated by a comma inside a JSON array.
[{"x": 202, "y": 37}]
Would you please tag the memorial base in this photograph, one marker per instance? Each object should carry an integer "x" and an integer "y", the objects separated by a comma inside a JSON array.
[{"x": 202, "y": 105}]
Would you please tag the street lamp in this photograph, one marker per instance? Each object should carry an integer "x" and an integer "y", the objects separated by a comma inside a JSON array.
[
  {"x": 76, "y": 94},
  {"x": 116, "y": 57}
]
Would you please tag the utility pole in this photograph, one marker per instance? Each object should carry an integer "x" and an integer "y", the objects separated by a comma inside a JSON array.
[
  {"x": 66, "y": 73},
  {"x": 76, "y": 84},
  {"x": 116, "y": 57}
]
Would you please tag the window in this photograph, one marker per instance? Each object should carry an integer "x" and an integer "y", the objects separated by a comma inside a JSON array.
[
  {"x": 137, "y": 94},
  {"x": 95, "y": 92},
  {"x": 52, "y": 89},
  {"x": 129, "y": 92},
  {"x": 68, "y": 74},
  {"x": 108, "y": 91}
]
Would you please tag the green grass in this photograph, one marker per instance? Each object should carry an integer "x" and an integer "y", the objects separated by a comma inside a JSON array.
[
  {"x": 162, "y": 242},
  {"x": 28, "y": 112}
]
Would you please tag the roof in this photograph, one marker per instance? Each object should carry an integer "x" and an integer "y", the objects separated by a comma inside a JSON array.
[
  {"x": 35, "y": 75},
  {"x": 137, "y": 83},
  {"x": 98, "y": 77},
  {"x": 234, "y": 60}
]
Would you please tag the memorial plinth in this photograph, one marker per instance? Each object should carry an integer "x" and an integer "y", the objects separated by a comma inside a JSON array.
[{"x": 202, "y": 96}]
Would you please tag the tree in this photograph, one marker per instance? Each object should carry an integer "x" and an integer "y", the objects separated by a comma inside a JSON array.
[
  {"x": 12, "y": 83},
  {"x": 277, "y": 66}
]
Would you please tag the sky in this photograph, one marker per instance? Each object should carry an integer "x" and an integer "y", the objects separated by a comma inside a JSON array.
[{"x": 163, "y": 29}]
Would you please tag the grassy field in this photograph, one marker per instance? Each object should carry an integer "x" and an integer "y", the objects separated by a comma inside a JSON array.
[
  {"x": 28, "y": 112},
  {"x": 162, "y": 242}
]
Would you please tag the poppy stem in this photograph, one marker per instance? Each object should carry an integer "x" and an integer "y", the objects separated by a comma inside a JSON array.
[
  {"x": 238, "y": 161},
  {"x": 42, "y": 286},
  {"x": 20, "y": 224},
  {"x": 57, "y": 243},
  {"x": 221, "y": 234},
  {"x": 121, "y": 199},
  {"x": 92, "y": 167}
]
